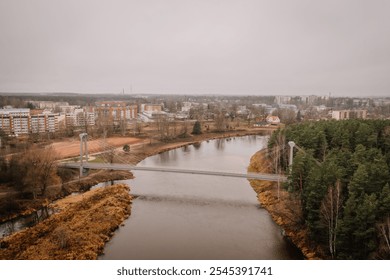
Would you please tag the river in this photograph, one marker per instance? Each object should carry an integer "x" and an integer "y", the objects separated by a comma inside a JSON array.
[{"x": 181, "y": 216}]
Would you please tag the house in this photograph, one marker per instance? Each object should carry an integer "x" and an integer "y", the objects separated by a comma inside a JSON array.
[{"x": 273, "y": 120}]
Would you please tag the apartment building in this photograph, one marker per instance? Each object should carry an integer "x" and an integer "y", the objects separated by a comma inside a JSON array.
[
  {"x": 349, "y": 114},
  {"x": 80, "y": 117},
  {"x": 15, "y": 121},
  {"x": 115, "y": 111},
  {"x": 151, "y": 108},
  {"x": 43, "y": 122},
  {"x": 48, "y": 104},
  {"x": 23, "y": 121}
]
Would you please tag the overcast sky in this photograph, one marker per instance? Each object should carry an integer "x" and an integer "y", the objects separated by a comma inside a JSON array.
[{"x": 196, "y": 46}]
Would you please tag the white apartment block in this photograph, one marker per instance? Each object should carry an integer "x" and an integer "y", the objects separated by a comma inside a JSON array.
[
  {"x": 45, "y": 122},
  {"x": 349, "y": 114},
  {"x": 21, "y": 121},
  {"x": 48, "y": 104},
  {"x": 80, "y": 118}
]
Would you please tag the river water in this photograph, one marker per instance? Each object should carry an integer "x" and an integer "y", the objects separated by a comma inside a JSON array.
[{"x": 184, "y": 216}]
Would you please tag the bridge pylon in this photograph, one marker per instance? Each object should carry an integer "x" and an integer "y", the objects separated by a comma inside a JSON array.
[
  {"x": 83, "y": 150},
  {"x": 290, "y": 159}
]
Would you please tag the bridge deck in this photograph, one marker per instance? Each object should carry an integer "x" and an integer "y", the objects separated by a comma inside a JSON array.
[{"x": 117, "y": 166}]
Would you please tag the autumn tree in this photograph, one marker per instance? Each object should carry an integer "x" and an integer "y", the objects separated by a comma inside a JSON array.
[
  {"x": 138, "y": 128},
  {"x": 220, "y": 122},
  {"x": 34, "y": 170},
  {"x": 41, "y": 170}
]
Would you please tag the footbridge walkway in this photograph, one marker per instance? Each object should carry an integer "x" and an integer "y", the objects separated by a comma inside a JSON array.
[
  {"x": 119, "y": 166},
  {"x": 84, "y": 164}
]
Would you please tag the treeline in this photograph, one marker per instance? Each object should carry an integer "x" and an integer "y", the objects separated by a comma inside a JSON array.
[
  {"x": 341, "y": 178},
  {"x": 21, "y": 101}
]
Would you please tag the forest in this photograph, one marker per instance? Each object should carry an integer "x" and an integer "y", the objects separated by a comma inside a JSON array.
[{"x": 340, "y": 176}]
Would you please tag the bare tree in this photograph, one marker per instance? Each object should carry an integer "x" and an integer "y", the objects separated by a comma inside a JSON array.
[
  {"x": 37, "y": 169},
  {"x": 276, "y": 154},
  {"x": 138, "y": 128},
  {"x": 287, "y": 116},
  {"x": 330, "y": 212},
  {"x": 184, "y": 130},
  {"x": 109, "y": 156},
  {"x": 220, "y": 122},
  {"x": 164, "y": 126},
  {"x": 384, "y": 236}
]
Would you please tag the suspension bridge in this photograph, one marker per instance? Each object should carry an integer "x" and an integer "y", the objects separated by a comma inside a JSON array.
[{"x": 83, "y": 164}]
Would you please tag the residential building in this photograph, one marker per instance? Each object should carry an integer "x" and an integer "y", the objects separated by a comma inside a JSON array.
[
  {"x": 349, "y": 114},
  {"x": 289, "y": 107},
  {"x": 273, "y": 120},
  {"x": 44, "y": 122},
  {"x": 151, "y": 107},
  {"x": 115, "y": 111},
  {"x": 24, "y": 121},
  {"x": 282, "y": 99},
  {"x": 48, "y": 104},
  {"x": 15, "y": 121},
  {"x": 186, "y": 106}
]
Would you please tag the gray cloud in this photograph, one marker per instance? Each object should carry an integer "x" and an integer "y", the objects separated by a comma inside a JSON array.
[{"x": 182, "y": 46}]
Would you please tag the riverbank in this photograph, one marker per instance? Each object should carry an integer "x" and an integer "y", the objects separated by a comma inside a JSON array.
[
  {"x": 15, "y": 206},
  {"x": 83, "y": 224},
  {"x": 23, "y": 206},
  {"x": 284, "y": 209},
  {"x": 146, "y": 150},
  {"x": 102, "y": 176}
]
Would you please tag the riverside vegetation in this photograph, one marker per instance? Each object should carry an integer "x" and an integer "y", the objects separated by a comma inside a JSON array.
[
  {"x": 338, "y": 186},
  {"x": 78, "y": 231}
]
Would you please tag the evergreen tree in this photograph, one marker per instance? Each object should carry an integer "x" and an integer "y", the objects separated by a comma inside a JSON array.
[
  {"x": 197, "y": 129},
  {"x": 357, "y": 229},
  {"x": 341, "y": 175},
  {"x": 359, "y": 181}
]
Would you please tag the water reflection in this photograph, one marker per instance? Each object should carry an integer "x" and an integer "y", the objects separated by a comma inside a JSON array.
[
  {"x": 163, "y": 157},
  {"x": 220, "y": 144},
  {"x": 23, "y": 222},
  {"x": 182, "y": 216},
  {"x": 198, "y": 201},
  {"x": 185, "y": 148},
  {"x": 197, "y": 145}
]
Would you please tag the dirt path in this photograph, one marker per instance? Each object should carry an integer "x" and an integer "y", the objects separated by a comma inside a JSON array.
[{"x": 71, "y": 148}]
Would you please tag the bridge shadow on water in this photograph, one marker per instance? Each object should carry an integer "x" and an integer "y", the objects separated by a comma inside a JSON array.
[{"x": 198, "y": 201}]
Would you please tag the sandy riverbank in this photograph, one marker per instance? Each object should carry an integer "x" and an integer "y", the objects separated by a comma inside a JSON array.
[{"x": 285, "y": 210}]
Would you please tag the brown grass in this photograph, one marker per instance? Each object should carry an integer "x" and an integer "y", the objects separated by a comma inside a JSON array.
[
  {"x": 78, "y": 231},
  {"x": 71, "y": 148}
]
